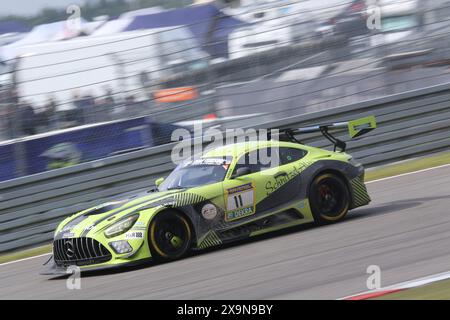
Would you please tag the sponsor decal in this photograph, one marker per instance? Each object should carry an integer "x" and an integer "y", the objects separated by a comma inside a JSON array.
[
  {"x": 240, "y": 202},
  {"x": 301, "y": 205},
  {"x": 67, "y": 228},
  {"x": 209, "y": 211},
  {"x": 138, "y": 229},
  {"x": 139, "y": 226},
  {"x": 282, "y": 178},
  {"x": 69, "y": 231},
  {"x": 168, "y": 202},
  {"x": 209, "y": 162},
  {"x": 62, "y": 155},
  {"x": 68, "y": 235},
  {"x": 134, "y": 235}
]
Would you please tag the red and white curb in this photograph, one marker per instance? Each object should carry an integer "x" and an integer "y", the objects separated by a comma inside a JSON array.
[{"x": 399, "y": 287}]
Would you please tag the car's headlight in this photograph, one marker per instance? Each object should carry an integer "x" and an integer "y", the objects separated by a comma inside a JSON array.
[{"x": 121, "y": 226}]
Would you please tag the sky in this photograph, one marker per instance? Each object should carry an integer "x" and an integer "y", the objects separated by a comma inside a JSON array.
[{"x": 31, "y": 7}]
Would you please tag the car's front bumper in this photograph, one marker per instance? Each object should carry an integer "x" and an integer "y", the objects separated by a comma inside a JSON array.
[{"x": 89, "y": 253}]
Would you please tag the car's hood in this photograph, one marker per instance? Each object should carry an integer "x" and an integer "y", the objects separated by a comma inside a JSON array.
[{"x": 103, "y": 215}]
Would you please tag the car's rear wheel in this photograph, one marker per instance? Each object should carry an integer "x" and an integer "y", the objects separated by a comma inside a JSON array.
[
  {"x": 329, "y": 198},
  {"x": 169, "y": 236}
]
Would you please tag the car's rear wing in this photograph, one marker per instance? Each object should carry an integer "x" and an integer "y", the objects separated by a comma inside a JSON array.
[{"x": 356, "y": 128}]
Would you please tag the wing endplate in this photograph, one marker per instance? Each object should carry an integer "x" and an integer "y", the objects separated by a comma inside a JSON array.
[{"x": 359, "y": 127}]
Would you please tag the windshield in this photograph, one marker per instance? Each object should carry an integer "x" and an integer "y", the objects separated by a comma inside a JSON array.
[{"x": 193, "y": 173}]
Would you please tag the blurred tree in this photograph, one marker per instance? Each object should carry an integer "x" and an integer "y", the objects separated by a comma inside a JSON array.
[{"x": 48, "y": 15}]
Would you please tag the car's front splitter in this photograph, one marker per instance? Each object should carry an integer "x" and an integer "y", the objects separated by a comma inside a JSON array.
[{"x": 52, "y": 269}]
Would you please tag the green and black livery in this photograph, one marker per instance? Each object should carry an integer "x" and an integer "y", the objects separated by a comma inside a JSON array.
[{"x": 224, "y": 195}]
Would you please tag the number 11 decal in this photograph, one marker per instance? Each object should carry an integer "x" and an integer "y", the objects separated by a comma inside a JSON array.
[{"x": 240, "y": 202}]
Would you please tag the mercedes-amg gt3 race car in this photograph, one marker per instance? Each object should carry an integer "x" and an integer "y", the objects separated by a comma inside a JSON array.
[{"x": 224, "y": 195}]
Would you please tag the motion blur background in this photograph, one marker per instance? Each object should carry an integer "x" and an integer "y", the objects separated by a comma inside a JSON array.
[{"x": 125, "y": 74}]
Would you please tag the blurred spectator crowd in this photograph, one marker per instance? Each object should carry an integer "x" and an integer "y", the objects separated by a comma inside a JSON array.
[{"x": 18, "y": 118}]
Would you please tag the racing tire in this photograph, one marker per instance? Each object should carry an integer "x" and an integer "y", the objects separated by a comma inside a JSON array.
[
  {"x": 169, "y": 236},
  {"x": 329, "y": 198}
]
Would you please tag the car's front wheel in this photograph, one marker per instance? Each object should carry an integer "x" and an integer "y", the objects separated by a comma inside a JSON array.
[
  {"x": 329, "y": 198},
  {"x": 169, "y": 236}
]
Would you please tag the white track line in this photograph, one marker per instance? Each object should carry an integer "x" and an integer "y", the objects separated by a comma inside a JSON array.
[
  {"x": 25, "y": 259},
  {"x": 409, "y": 173},
  {"x": 387, "y": 178},
  {"x": 406, "y": 285}
]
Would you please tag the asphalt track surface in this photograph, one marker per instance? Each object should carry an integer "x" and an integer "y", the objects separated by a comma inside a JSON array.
[{"x": 405, "y": 231}]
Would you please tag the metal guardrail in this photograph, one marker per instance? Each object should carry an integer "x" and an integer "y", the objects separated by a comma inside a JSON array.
[{"x": 409, "y": 124}]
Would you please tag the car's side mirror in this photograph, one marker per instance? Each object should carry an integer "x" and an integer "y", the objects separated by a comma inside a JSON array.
[
  {"x": 243, "y": 171},
  {"x": 159, "y": 181}
]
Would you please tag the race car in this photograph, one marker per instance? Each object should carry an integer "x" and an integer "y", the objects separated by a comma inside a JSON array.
[{"x": 225, "y": 194}]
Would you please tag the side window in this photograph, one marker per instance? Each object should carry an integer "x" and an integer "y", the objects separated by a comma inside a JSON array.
[
  {"x": 257, "y": 160},
  {"x": 288, "y": 155}
]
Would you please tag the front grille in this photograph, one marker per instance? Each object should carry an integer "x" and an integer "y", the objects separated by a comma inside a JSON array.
[{"x": 79, "y": 251}]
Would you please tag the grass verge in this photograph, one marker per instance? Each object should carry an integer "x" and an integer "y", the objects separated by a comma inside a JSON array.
[
  {"x": 435, "y": 291},
  {"x": 378, "y": 173},
  {"x": 25, "y": 253},
  {"x": 408, "y": 166}
]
